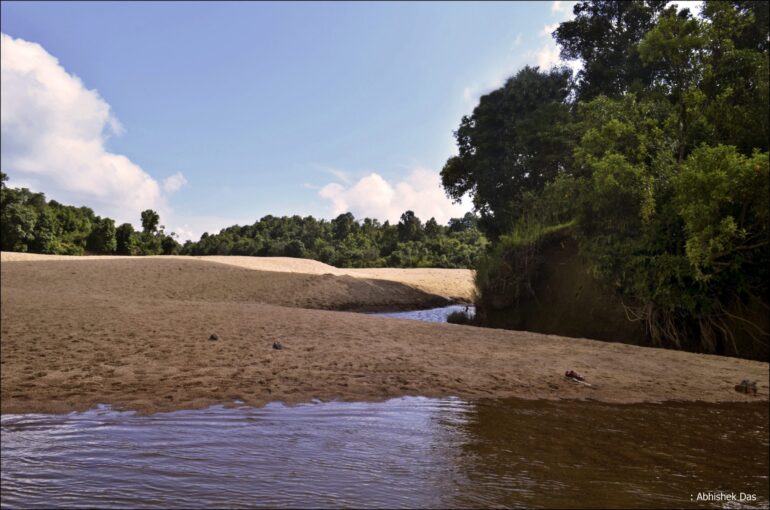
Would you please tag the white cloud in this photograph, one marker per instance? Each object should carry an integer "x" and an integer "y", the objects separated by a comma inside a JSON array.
[
  {"x": 548, "y": 29},
  {"x": 53, "y": 138},
  {"x": 374, "y": 197},
  {"x": 558, "y": 6},
  {"x": 174, "y": 182},
  {"x": 547, "y": 56},
  {"x": 694, "y": 6},
  {"x": 562, "y": 10},
  {"x": 192, "y": 226},
  {"x": 338, "y": 174}
]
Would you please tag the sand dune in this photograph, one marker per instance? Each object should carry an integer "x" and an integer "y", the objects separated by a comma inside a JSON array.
[
  {"x": 135, "y": 334},
  {"x": 455, "y": 284}
]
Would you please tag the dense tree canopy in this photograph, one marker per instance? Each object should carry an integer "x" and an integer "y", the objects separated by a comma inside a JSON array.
[
  {"x": 29, "y": 223},
  {"x": 515, "y": 141},
  {"x": 662, "y": 169},
  {"x": 345, "y": 242},
  {"x": 604, "y": 36}
]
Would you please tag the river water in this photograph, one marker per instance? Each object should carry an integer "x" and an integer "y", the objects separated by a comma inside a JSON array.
[
  {"x": 431, "y": 315},
  {"x": 408, "y": 452}
]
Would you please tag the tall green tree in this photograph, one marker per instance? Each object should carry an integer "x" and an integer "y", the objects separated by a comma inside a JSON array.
[
  {"x": 102, "y": 239},
  {"x": 516, "y": 140},
  {"x": 150, "y": 220},
  {"x": 125, "y": 240},
  {"x": 603, "y": 36}
]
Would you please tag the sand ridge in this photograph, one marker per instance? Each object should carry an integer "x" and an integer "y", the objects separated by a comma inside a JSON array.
[
  {"x": 135, "y": 334},
  {"x": 454, "y": 284}
]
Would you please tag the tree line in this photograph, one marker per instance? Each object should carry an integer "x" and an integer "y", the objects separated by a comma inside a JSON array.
[
  {"x": 30, "y": 223},
  {"x": 654, "y": 155},
  {"x": 346, "y": 242}
]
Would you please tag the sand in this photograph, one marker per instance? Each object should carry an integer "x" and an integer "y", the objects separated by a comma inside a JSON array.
[
  {"x": 134, "y": 333},
  {"x": 454, "y": 284}
]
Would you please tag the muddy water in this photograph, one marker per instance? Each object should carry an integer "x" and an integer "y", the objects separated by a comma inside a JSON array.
[{"x": 407, "y": 452}]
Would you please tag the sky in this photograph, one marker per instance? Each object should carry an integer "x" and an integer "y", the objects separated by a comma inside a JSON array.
[{"x": 217, "y": 114}]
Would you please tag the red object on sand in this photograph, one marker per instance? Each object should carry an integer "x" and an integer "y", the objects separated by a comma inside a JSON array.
[{"x": 574, "y": 375}]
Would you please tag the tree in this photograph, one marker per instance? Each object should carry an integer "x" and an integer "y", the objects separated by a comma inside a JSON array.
[
  {"x": 604, "y": 35},
  {"x": 675, "y": 44},
  {"x": 125, "y": 240},
  {"x": 735, "y": 74},
  {"x": 102, "y": 238},
  {"x": 343, "y": 225},
  {"x": 17, "y": 227},
  {"x": 294, "y": 248},
  {"x": 169, "y": 245},
  {"x": 722, "y": 196},
  {"x": 410, "y": 227},
  {"x": 150, "y": 220},
  {"x": 432, "y": 228},
  {"x": 517, "y": 139}
]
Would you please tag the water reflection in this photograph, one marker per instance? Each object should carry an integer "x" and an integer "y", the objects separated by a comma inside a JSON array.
[{"x": 408, "y": 452}]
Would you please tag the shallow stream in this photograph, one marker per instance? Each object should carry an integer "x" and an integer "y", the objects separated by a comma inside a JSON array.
[
  {"x": 431, "y": 315},
  {"x": 406, "y": 452}
]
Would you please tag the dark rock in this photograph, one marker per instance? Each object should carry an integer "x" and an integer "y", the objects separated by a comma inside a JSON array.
[
  {"x": 747, "y": 387},
  {"x": 214, "y": 336},
  {"x": 277, "y": 345}
]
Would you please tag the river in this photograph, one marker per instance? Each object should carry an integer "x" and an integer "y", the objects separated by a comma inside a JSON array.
[{"x": 409, "y": 452}]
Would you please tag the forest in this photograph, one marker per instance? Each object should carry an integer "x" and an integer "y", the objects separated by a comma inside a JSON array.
[
  {"x": 653, "y": 157},
  {"x": 30, "y": 223}
]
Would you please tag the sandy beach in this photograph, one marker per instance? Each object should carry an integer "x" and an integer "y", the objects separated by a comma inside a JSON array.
[{"x": 134, "y": 333}]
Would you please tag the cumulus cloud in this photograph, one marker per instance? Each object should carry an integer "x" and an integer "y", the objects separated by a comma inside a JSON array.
[
  {"x": 174, "y": 183},
  {"x": 547, "y": 56},
  {"x": 548, "y": 29},
  {"x": 557, "y": 6},
  {"x": 53, "y": 138},
  {"x": 562, "y": 9},
  {"x": 374, "y": 197}
]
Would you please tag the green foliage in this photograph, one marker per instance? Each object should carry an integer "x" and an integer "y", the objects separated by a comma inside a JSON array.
[
  {"x": 516, "y": 140},
  {"x": 101, "y": 240},
  {"x": 666, "y": 184},
  {"x": 722, "y": 198},
  {"x": 345, "y": 242},
  {"x": 126, "y": 240},
  {"x": 150, "y": 221},
  {"x": 29, "y": 223}
]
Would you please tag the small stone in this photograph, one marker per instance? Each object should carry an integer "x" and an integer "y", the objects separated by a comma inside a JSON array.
[
  {"x": 747, "y": 387},
  {"x": 277, "y": 345},
  {"x": 214, "y": 336}
]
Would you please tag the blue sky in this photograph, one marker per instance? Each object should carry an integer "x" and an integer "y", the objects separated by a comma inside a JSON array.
[{"x": 221, "y": 113}]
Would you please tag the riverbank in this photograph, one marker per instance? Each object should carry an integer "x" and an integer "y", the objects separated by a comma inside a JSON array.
[{"x": 135, "y": 334}]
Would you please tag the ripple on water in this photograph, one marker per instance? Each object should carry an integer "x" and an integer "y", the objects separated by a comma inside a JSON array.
[{"x": 407, "y": 452}]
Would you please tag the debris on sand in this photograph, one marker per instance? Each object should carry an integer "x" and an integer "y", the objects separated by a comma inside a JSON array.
[
  {"x": 747, "y": 387},
  {"x": 571, "y": 374}
]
